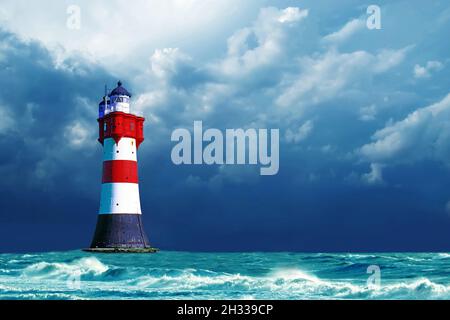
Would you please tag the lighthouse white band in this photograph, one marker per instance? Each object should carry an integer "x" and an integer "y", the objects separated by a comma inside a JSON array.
[
  {"x": 120, "y": 198},
  {"x": 124, "y": 150}
]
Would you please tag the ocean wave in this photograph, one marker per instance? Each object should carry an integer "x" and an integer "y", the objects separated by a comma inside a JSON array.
[
  {"x": 90, "y": 266},
  {"x": 290, "y": 284},
  {"x": 281, "y": 283},
  {"x": 188, "y": 280},
  {"x": 343, "y": 277},
  {"x": 293, "y": 274},
  {"x": 27, "y": 256},
  {"x": 422, "y": 288},
  {"x": 41, "y": 296}
]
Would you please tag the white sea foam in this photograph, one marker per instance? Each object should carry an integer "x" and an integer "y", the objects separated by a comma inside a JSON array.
[
  {"x": 421, "y": 288},
  {"x": 281, "y": 283},
  {"x": 84, "y": 266},
  {"x": 294, "y": 274},
  {"x": 27, "y": 256},
  {"x": 292, "y": 283}
]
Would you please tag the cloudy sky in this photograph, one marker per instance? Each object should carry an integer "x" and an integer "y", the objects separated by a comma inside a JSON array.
[{"x": 364, "y": 119}]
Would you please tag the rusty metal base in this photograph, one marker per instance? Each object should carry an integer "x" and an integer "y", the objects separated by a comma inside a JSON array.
[{"x": 120, "y": 233}]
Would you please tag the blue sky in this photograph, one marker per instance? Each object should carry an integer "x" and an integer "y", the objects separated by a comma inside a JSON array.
[{"x": 363, "y": 118}]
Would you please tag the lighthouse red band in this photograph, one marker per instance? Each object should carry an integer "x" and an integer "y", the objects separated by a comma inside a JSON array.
[
  {"x": 119, "y": 224},
  {"x": 124, "y": 171}
]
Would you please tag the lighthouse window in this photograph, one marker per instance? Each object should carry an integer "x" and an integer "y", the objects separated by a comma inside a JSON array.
[
  {"x": 105, "y": 127},
  {"x": 132, "y": 126}
]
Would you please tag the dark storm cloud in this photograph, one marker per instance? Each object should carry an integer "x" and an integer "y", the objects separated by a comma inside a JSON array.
[{"x": 44, "y": 174}]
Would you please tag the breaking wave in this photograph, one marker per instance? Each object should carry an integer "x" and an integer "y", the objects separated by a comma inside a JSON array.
[
  {"x": 288, "y": 284},
  {"x": 83, "y": 267}
]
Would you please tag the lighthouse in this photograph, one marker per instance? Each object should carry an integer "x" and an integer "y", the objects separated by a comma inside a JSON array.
[{"x": 119, "y": 223}]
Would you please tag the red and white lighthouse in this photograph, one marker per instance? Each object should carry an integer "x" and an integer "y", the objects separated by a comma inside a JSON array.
[{"x": 119, "y": 225}]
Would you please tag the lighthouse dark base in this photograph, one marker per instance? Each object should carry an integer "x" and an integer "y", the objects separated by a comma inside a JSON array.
[{"x": 120, "y": 233}]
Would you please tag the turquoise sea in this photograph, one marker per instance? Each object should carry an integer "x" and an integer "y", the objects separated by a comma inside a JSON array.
[{"x": 183, "y": 275}]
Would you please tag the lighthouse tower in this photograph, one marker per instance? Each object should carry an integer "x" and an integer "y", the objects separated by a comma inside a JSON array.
[{"x": 119, "y": 225}]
